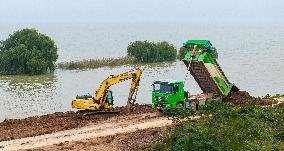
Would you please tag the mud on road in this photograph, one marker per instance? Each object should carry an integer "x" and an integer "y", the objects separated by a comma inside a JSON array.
[{"x": 46, "y": 124}]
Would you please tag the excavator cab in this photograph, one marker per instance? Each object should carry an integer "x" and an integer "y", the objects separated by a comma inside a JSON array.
[{"x": 109, "y": 97}]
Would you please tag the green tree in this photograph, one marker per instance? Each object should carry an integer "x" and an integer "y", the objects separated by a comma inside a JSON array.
[
  {"x": 145, "y": 51},
  {"x": 166, "y": 51},
  {"x": 27, "y": 52},
  {"x": 182, "y": 52}
]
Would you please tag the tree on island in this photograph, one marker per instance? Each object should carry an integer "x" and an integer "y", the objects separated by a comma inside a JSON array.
[
  {"x": 27, "y": 52},
  {"x": 145, "y": 51}
]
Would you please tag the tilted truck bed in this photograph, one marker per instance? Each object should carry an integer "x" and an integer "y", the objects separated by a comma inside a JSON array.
[{"x": 200, "y": 61}]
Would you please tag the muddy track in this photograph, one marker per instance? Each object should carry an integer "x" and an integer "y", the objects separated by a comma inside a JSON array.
[
  {"x": 46, "y": 124},
  {"x": 111, "y": 127}
]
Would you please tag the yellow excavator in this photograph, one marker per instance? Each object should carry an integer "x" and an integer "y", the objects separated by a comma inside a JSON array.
[{"x": 102, "y": 101}]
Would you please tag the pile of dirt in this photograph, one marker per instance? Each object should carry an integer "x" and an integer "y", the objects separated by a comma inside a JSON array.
[
  {"x": 136, "y": 109},
  {"x": 266, "y": 101},
  {"x": 39, "y": 125},
  {"x": 239, "y": 98}
]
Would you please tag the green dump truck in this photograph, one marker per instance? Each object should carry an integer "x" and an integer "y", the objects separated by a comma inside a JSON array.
[
  {"x": 169, "y": 94},
  {"x": 200, "y": 59}
]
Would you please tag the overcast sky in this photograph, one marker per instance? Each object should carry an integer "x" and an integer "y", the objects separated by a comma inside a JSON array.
[{"x": 142, "y": 11}]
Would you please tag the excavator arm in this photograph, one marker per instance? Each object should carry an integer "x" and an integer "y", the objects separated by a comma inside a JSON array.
[
  {"x": 134, "y": 86},
  {"x": 101, "y": 93}
]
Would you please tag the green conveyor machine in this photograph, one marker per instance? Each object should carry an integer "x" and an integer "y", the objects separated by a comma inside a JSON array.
[{"x": 200, "y": 59}]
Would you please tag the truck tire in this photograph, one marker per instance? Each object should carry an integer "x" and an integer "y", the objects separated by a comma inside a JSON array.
[
  {"x": 193, "y": 106},
  {"x": 179, "y": 106}
]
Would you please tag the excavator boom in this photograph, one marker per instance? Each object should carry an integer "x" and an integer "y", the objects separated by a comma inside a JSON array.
[{"x": 101, "y": 94}]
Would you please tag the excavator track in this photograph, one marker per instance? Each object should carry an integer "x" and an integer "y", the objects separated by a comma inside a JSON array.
[
  {"x": 203, "y": 78},
  {"x": 89, "y": 114}
]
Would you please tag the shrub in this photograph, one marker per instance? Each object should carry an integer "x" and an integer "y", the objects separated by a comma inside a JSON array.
[
  {"x": 95, "y": 63},
  {"x": 182, "y": 52},
  {"x": 145, "y": 51},
  {"x": 27, "y": 52},
  {"x": 224, "y": 126}
]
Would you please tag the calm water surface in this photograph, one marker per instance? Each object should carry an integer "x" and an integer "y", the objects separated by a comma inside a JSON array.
[{"x": 251, "y": 57}]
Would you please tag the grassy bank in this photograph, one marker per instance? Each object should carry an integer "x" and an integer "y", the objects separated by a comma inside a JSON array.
[
  {"x": 228, "y": 127},
  {"x": 95, "y": 63}
]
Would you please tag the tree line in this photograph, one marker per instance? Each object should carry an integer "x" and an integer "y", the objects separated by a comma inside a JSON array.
[{"x": 29, "y": 52}]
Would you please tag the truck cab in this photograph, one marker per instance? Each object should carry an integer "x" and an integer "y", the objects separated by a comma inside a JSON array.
[{"x": 168, "y": 94}]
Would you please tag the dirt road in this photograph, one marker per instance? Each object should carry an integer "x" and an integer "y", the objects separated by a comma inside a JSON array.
[
  {"x": 46, "y": 124},
  {"x": 122, "y": 142},
  {"x": 113, "y": 126}
]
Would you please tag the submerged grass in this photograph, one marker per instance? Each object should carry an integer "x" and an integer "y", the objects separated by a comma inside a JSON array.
[
  {"x": 108, "y": 62},
  {"x": 95, "y": 63},
  {"x": 228, "y": 127}
]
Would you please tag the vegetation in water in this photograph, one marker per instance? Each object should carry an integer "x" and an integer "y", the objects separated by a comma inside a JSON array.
[
  {"x": 138, "y": 52},
  {"x": 145, "y": 51},
  {"x": 27, "y": 52},
  {"x": 182, "y": 52},
  {"x": 224, "y": 126},
  {"x": 95, "y": 63}
]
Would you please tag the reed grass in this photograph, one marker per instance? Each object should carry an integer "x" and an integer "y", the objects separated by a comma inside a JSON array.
[{"x": 95, "y": 63}]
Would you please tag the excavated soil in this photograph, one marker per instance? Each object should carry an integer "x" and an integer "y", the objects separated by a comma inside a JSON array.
[
  {"x": 136, "y": 109},
  {"x": 240, "y": 98},
  {"x": 266, "y": 101},
  {"x": 39, "y": 125}
]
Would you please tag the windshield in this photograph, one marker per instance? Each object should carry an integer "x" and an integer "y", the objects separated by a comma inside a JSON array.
[{"x": 162, "y": 87}]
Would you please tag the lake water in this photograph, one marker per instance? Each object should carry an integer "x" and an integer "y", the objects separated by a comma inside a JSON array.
[{"x": 251, "y": 57}]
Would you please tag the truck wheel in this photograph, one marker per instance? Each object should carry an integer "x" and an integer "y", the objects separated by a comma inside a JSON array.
[
  {"x": 179, "y": 106},
  {"x": 197, "y": 106},
  {"x": 193, "y": 106}
]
